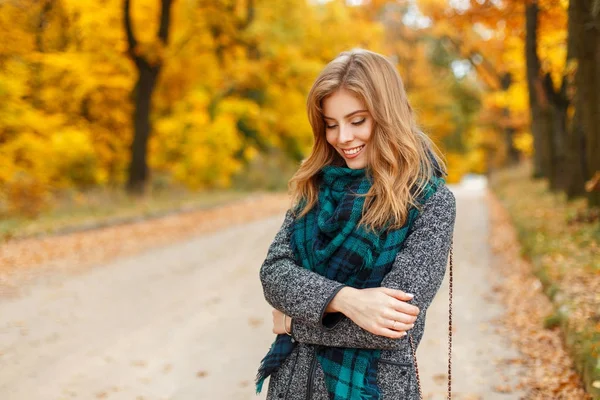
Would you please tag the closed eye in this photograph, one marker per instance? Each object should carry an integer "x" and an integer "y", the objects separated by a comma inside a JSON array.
[{"x": 353, "y": 123}]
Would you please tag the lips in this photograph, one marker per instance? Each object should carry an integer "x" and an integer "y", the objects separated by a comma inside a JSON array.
[{"x": 353, "y": 150}]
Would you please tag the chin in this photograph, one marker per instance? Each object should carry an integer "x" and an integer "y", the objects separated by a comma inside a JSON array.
[{"x": 356, "y": 164}]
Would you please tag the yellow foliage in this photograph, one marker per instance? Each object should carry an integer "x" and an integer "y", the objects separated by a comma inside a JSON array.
[
  {"x": 457, "y": 167},
  {"x": 224, "y": 91},
  {"x": 72, "y": 159},
  {"x": 199, "y": 152},
  {"x": 250, "y": 153},
  {"x": 523, "y": 141}
]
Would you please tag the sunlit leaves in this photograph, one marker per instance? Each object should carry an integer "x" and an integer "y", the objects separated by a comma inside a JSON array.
[{"x": 233, "y": 82}]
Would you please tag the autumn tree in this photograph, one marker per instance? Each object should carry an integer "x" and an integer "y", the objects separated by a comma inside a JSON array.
[
  {"x": 233, "y": 90},
  {"x": 584, "y": 63},
  {"x": 148, "y": 61}
]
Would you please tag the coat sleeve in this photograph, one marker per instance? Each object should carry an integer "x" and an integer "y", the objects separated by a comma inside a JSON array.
[
  {"x": 419, "y": 268},
  {"x": 290, "y": 288}
]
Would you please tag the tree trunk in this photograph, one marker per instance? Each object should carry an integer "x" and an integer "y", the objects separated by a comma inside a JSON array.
[
  {"x": 538, "y": 126},
  {"x": 575, "y": 135},
  {"x": 587, "y": 82},
  {"x": 147, "y": 76},
  {"x": 138, "y": 167},
  {"x": 558, "y": 130}
]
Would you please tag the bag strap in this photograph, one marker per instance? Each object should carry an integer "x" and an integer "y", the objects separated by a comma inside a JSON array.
[{"x": 449, "y": 338}]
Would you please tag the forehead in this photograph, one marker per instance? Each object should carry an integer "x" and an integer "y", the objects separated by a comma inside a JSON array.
[{"x": 340, "y": 103}]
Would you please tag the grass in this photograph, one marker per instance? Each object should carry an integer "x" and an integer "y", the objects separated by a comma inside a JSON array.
[
  {"x": 72, "y": 211},
  {"x": 565, "y": 254}
]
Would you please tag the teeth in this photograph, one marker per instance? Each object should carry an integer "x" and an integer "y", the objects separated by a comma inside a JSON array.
[{"x": 354, "y": 150}]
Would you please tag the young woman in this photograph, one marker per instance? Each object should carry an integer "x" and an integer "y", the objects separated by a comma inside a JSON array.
[{"x": 364, "y": 247}]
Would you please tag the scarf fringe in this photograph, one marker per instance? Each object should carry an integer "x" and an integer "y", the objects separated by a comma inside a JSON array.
[
  {"x": 263, "y": 370},
  {"x": 261, "y": 375},
  {"x": 259, "y": 383}
]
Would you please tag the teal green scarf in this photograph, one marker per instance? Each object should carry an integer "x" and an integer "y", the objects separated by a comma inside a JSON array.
[{"x": 328, "y": 241}]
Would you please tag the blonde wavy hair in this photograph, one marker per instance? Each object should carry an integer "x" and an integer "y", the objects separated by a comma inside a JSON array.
[{"x": 400, "y": 156}]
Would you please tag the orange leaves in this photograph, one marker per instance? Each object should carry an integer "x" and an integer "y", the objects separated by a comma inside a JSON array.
[
  {"x": 26, "y": 196},
  {"x": 562, "y": 255},
  {"x": 28, "y": 257},
  {"x": 234, "y": 80},
  {"x": 594, "y": 183},
  {"x": 549, "y": 372}
]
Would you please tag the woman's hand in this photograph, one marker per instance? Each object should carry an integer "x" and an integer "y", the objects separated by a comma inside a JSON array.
[
  {"x": 376, "y": 309},
  {"x": 278, "y": 327}
]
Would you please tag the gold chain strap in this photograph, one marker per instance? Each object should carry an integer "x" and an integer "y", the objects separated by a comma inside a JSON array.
[{"x": 449, "y": 338}]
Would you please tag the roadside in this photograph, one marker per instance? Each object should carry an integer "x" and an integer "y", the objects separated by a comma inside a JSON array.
[
  {"x": 551, "y": 286},
  {"x": 172, "y": 308},
  {"x": 50, "y": 256},
  {"x": 482, "y": 359},
  {"x": 74, "y": 211},
  {"x": 183, "y": 315},
  {"x": 181, "y": 321}
]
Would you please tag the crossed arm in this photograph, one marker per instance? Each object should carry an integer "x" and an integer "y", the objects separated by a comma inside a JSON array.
[{"x": 304, "y": 295}]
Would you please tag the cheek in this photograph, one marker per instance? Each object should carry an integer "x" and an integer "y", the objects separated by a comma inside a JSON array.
[
  {"x": 365, "y": 132},
  {"x": 331, "y": 138}
]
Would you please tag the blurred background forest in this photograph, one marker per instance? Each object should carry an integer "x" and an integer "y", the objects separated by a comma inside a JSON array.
[
  {"x": 101, "y": 99},
  {"x": 113, "y": 111}
]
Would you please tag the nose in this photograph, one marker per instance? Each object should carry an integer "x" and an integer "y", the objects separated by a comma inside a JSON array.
[{"x": 345, "y": 134}]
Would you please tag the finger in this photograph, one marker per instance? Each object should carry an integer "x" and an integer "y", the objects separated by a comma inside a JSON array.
[
  {"x": 391, "y": 333},
  {"x": 397, "y": 325},
  {"x": 400, "y": 317},
  {"x": 398, "y": 294},
  {"x": 404, "y": 307}
]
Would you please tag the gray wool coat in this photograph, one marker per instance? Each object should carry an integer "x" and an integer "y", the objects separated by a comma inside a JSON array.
[{"x": 419, "y": 268}]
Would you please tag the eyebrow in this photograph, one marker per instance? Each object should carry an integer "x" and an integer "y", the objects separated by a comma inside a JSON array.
[{"x": 349, "y": 115}]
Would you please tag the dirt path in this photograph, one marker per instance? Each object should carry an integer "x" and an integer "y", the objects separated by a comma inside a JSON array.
[
  {"x": 168, "y": 324},
  {"x": 482, "y": 360},
  {"x": 188, "y": 321}
]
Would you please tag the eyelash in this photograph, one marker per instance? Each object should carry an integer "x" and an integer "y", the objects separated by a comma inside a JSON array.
[{"x": 353, "y": 123}]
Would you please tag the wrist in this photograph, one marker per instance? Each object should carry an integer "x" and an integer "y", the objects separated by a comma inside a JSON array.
[
  {"x": 288, "y": 324},
  {"x": 286, "y": 329},
  {"x": 342, "y": 301}
]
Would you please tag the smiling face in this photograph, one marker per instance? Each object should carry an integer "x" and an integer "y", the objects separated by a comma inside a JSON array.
[{"x": 348, "y": 126}]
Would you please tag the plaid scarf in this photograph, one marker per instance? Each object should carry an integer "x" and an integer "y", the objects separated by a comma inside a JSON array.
[{"x": 329, "y": 241}]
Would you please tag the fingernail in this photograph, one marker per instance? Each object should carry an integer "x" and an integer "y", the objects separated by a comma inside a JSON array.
[
  {"x": 410, "y": 295},
  {"x": 404, "y": 333}
]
